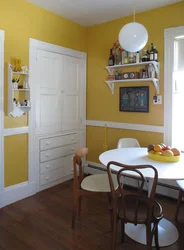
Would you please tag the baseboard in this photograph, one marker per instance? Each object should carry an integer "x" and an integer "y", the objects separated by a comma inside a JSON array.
[{"x": 17, "y": 192}]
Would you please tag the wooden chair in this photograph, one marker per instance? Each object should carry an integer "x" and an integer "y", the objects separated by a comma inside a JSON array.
[
  {"x": 128, "y": 143},
  {"x": 135, "y": 208},
  {"x": 180, "y": 196},
  {"x": 84, "y": 186}
]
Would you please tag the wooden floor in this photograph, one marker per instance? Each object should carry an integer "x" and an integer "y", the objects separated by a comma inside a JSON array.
[{"x": 43, "y": 222}]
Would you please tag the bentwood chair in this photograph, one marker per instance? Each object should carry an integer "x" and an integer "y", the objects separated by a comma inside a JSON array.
[
  {"x": 128, "y": 143},
  {"x": 135, "y": 208},
  {"x": 180, "y": 196},
  {"x": 85, "y": 186}
]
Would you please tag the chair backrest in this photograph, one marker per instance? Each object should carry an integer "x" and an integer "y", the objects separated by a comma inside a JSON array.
[
  {"x": 128, "y": 143},
  {"x": 136, "y": 169},
  {"x": 77, "y": 166}
]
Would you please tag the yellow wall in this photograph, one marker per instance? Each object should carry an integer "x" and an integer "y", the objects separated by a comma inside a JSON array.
[
  {"x": 16, "y": 159},
  {"x": 21, "y": 21},
  {"x": 101, "y": 104}
]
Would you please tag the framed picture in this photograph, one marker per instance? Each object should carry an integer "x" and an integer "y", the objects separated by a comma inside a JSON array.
[{"x": 134, "y": 99}]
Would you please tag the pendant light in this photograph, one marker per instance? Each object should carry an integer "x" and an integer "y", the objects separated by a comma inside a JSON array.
[{"x": 133, "y": 36}]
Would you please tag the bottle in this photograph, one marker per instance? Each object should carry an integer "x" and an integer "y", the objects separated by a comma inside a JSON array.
[
  {"x": 148, "y": 55},
  {"x": 137, "y": 57},
  {"x": 14, "y": 103},
  {"x": 126, "y": 58},
  {"x": 151, "y": 53},
  {"x": 123, "y": 56},
  {"x": 111, "y": 59},
  {"x": 155, "y": 54},
  {"x": 144, "y": 57},
  {"x": 131, "y": 57},
  {"x": 143, "y": 73}
]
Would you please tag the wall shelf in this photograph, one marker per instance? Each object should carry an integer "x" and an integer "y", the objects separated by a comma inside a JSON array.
[
  {"x": 17, "y": 72},
  {"x": 17, "y": 111},
  {"x": 155, "y": 81}
]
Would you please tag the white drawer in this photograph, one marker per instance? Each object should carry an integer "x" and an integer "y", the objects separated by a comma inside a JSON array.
[
  {"x": 51, "y": 176},
  {"x": 56, "y": 174},
  {"x": 55, "y": 164},
  {"x": 58, "y": 141},
  {"x": 55, "y": 153}
]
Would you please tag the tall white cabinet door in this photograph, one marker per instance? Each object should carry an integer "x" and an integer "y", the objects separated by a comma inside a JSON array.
[
  {"x": 71, "y": 84},
  {"x": 49, "y": 92}
]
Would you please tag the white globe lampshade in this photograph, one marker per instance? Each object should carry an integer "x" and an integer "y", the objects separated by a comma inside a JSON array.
[{"x": 133, "y": 37}]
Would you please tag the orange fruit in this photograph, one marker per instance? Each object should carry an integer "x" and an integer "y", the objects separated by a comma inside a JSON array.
[{"x": 158, "y": 148}]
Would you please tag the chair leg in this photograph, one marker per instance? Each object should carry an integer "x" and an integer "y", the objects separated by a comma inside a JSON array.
[
  {"x": 74, "y": 211},
  {"x": 178, "y": 204},
  {"x": 114, "y": 232},
  {"x": 156, "y": 238},
  {"x": 110, "y": 209},
  {"x": 122, "y": 231},
  {"x": 148, "y": 236},
  {"x": 80, "y": 204}
]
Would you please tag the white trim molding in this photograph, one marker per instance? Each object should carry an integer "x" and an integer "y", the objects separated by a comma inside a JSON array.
[
  {"x": 40, "y": 45},
  {"x": 1, "y": 114},
  {"x": 169, "y": 35},
  {"x": 16, "y": 131},
  {"x": 129, "y": 126}
]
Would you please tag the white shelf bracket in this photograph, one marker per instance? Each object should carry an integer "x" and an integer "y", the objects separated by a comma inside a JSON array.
[
  {"x": 111, "y": 87},
  {"x": 157, "y": 69},
  {"x": 111, "y": 71},
  {"x": 157, "y": 85}
]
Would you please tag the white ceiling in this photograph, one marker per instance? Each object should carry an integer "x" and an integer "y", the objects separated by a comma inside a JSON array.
[{"x": 90, "y": 12}]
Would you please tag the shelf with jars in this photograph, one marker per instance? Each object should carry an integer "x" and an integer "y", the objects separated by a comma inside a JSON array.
[
  {"x": 18, "y": 91},
  {"x": 150, "y": 73}
]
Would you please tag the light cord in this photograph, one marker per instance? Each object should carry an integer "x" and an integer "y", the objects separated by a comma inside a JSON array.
[{"x": 134, "y": 13}]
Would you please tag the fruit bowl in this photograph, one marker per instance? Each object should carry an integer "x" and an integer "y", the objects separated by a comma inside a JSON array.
[
  {"x": 164, "y": 153},
  {"x": 163, "y": 158}
]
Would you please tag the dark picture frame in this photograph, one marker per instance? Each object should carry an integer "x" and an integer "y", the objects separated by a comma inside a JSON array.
[{"x": 134, "y": 99}]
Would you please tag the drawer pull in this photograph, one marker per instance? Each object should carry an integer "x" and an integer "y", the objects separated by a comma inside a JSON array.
[
  {"x": 72, "y": 149},
  {"x": 47, "y": 156},
  {"x": 47, "y": 178},
  {"x": 48, "y": 166},
  {"x": 72, "y": 138},
  {"x": 47, "y": 143}
]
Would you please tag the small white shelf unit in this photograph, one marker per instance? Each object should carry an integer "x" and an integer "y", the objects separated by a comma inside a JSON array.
[
  {"x": 155, "y": 81},
  {"x": 12, "y": 110}
]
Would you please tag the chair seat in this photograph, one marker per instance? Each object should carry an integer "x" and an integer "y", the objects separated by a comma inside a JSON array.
[
  {"x": 131, "y": 201},
  {"x": 181, "y": 184},
  {"x": 98, "y": 183}
]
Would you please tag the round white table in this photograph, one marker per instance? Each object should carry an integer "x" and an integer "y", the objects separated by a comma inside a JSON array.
[{"x": 168, "y": 233}]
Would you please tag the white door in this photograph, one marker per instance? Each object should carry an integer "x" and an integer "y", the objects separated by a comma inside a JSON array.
[
  {"x": 71, "y": 85},
  {"x": 48, "y": 92}
]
